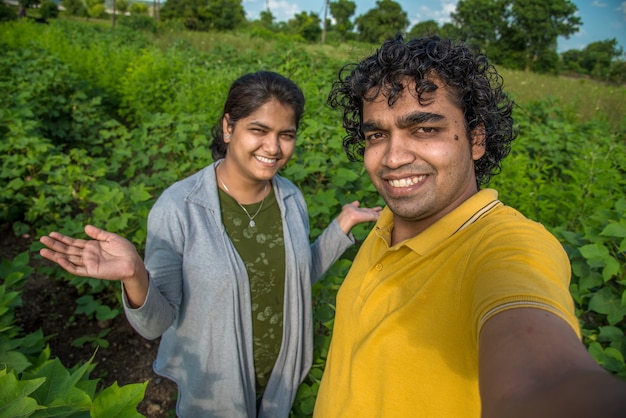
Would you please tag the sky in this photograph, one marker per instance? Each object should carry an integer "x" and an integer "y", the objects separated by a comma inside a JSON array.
[{"x": 601, "y": 19}]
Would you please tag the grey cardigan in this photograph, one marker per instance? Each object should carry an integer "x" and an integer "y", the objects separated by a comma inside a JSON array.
[{"x": 198, "y": 300}]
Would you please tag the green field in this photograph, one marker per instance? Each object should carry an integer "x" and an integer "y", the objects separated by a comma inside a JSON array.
[{"x": 96, "y": 123}]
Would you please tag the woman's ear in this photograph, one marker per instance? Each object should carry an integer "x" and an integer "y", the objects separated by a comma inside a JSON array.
[
  {"x": 227, "y": 128},
  {"x": 479, "y": 145}
]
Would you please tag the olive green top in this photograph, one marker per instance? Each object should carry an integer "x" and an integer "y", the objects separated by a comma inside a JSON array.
[{"x": 262, "y": 250}]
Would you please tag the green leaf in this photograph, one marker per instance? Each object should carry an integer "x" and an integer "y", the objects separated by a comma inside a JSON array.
[
  {"x": 614, "y": 230},
  {"x": 119, "y": 402},
  {"x": 59, "y": 392},
  {"x": 607, "y": 303},
  {"x": 139, "y": 193},
  {"x": 14, "y": 360},
  {"x": 610, "y": 333},
  {"x": 611, "y": 268},
  {"x": 614, "y": 360},
  {"x": 594, "y": 251},
  {"x": 14, "y": 399},
  {"x": 343, "y": 176}
]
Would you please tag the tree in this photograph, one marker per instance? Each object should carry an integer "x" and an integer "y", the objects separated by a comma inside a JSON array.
[
  {"x": 49, "y": 9},
  {"x": 137, "y": 8},
  {"x": 122, "y": 6},
  {"x": 225, "y": 14},
  {"x": 518, "y": 33},
  {"x": 96, "y": 9},
  {"x": 25, "y": 4},
  {"x": 483, "y": 23},
  {"x": 382, "y": 22},
  {"x": 267, "y": 19},
  {"x": 7, "y": 12},
  {"x": 425, "y": 28},
  {"x": 617, "y": 72},
  {"x": 205, "y": 14},
  {"x": 342, "y": 11},
  {"x": 598, "y": 59},
  {"x": 74, "y": 7},
  {"x": 570, "y": 61},
  {"x": 306, "y": 25},
  {"x": 449, "y": 30},
  {"x": 540, "y": 23}
]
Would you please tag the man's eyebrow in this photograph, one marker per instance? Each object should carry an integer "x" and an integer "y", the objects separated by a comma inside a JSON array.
[
  {"x": 418, "y": 118},
  {"x": 369, "y": 126},
  {"x": 405, "y": 121}
]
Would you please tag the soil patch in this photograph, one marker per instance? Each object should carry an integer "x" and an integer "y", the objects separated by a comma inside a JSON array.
[{"x": 50, "y": 304}]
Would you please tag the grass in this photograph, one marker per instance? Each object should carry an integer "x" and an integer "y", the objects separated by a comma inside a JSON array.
[{"x": 582, "y": 98}]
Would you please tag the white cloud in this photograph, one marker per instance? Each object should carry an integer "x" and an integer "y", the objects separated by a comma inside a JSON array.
[
  {"x": 440, "y": 15},
  {"x": 283, "y": 10},
  {"x": 622, "y": 9}
]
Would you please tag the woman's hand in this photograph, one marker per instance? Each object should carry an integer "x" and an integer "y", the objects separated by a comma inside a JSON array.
[
  {"x": 107, "y": 256},
  {"x": 351, "y": 214}
]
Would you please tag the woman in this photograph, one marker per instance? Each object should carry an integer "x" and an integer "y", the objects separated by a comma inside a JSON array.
[{"x": 229, "y": 265}]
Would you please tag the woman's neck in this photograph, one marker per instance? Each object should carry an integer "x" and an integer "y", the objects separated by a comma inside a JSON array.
[{"x": 245, "y": 191}]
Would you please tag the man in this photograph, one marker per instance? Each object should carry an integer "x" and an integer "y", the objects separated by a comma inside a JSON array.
[{"x": 456, "y": 305}]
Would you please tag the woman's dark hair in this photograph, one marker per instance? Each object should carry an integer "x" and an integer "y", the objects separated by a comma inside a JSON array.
[
  {"x": 247, "y": 94},
  {"x": 475, "y": 86}
]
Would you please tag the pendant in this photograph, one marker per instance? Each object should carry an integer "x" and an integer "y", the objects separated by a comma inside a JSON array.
[{"x": 252, "y": 223}]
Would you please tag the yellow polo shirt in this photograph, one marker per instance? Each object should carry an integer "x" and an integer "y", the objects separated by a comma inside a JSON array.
[{"x": 405, "y": 340}]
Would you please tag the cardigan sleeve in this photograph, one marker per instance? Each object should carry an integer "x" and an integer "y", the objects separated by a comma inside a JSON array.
[
  {"x": 164, "y": 247},
  {"x": 327, "y": 248}
]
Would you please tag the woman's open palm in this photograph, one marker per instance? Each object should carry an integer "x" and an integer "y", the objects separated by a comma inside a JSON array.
[{"x": 107, "y": 256}]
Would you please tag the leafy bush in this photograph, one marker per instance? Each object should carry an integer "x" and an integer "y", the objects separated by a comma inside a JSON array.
[
  {"x": 138, "y": 22},
  {"x": 33, "y": 383}
]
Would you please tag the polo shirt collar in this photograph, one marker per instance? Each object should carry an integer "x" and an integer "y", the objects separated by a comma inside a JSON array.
[{"x": 461, "y": 217}]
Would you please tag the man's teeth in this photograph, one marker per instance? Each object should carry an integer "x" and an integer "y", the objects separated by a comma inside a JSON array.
[
  {"x": 406, "y": 182},
  {"x": 265, "y": 160}
]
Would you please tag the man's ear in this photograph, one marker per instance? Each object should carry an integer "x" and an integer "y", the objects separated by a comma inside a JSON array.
[{"x": 479, "y": 138}]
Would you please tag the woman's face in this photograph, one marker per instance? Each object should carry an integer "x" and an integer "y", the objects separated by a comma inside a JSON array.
[{"x": 261, "y": 143}]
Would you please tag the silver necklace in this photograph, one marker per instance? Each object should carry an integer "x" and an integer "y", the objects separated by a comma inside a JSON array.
[{"x": 252, "y": 224}]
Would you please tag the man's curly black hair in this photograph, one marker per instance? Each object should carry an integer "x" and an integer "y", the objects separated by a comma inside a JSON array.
[{"x": 475, "y": 85}]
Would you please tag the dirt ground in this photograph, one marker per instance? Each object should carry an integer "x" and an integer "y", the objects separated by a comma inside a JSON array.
[{"x": 50, "y": 305}]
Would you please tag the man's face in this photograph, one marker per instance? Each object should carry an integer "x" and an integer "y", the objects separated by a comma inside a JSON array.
[{"x": 419, "y": 157}]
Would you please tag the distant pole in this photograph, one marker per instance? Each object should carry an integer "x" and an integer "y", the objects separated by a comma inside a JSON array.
[
  {"x": 114, "y": 12},
  {"x": 267, "y": 5},
  {"x": 324, "y": 24}
]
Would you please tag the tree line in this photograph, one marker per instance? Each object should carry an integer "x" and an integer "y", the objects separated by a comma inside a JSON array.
[{"x": 516, "y": 34}]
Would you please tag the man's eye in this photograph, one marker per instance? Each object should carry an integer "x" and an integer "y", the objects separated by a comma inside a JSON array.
[{"x": 376, "y": 136}]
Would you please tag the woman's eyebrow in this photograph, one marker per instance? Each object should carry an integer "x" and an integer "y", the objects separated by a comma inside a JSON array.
[{"x": 258, "y": 125}]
